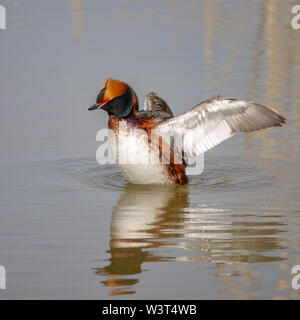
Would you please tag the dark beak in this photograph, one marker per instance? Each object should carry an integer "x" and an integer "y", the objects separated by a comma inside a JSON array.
[
  {"x": 94, "y": 107},
  {"x": 98, "y": 105},
  {"x": 99, "y": 98}
]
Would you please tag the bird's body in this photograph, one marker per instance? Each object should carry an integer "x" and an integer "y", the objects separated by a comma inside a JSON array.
[
  {"x": 134, "y": 158},
  {"x": 153, "y": 146}
]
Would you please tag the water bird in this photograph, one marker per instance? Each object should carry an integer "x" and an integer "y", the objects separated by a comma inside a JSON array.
[{"x": 165, "y": 143}]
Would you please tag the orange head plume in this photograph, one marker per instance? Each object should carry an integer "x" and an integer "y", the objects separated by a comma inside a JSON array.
[{"x": 117, "y": 98}]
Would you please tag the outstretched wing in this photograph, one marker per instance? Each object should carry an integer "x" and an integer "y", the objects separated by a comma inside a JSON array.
[
  {"x": 215, "y": 120},
  {"x": 155, "y": 103}
]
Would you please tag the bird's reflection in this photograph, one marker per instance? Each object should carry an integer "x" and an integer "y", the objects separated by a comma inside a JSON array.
[
  {"x": 138, "y": 223},
  {"x": 147, "y": 219}
]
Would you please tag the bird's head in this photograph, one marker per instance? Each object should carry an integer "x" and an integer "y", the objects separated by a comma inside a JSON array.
[{"x": 117, "y": 98}]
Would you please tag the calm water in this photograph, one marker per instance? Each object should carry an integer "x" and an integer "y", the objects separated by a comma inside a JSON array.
[{"x": 70, "y": 228}]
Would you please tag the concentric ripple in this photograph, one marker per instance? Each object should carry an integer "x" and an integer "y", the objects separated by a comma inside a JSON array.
[{"x": 87, "y": 172}]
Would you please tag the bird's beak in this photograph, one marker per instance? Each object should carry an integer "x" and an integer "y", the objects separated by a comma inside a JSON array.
[
  {"x": 98, "y": 105},
  {"x": 94, "y": 107}
]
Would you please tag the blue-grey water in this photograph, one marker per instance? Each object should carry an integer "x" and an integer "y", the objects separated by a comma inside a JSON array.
[{"x": 70, "y": 228}]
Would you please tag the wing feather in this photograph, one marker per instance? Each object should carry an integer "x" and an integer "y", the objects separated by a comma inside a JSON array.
[
  {"x": 155, "y": 103},
  {"x": 215, "y": 120}
]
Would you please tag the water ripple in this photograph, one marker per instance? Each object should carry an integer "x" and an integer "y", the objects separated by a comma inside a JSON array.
[{"x": 88, "y": 172}]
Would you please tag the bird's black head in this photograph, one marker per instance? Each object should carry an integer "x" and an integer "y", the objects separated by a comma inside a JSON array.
[{"x": 117, "y": 98}]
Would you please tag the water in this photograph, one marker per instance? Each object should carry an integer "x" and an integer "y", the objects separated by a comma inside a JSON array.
[{"x": 70, "y": 228}]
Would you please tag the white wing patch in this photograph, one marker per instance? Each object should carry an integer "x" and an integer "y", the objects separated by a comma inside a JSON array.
[{"x": 213, "y": 121}]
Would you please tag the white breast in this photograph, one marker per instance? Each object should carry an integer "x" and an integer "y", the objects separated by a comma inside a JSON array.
[{"x": 137, "y": 162}]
